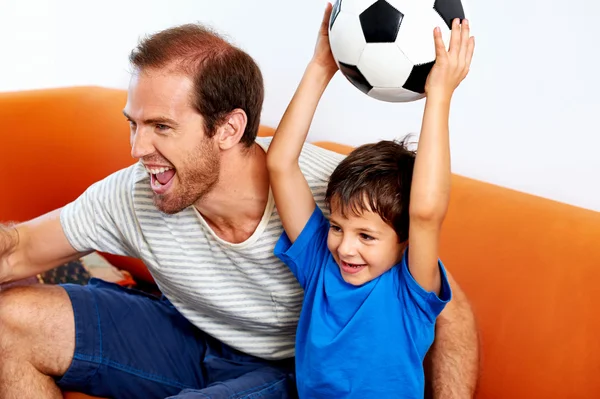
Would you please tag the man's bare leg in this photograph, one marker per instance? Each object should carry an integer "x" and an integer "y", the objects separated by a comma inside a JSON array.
[
  {"x": 452, "y": 364},
  {"x": 37, "y": 341}
]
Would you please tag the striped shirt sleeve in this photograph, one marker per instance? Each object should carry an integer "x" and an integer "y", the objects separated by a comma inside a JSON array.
[{"x": 102, "y": 218}]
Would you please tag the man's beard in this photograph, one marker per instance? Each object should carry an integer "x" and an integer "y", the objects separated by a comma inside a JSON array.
[{"x": 195, "y": 178}]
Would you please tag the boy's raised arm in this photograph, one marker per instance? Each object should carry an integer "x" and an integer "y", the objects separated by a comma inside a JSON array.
[
  {"x": 293, "y": 197},
  {"x": 430, "y": 189}
]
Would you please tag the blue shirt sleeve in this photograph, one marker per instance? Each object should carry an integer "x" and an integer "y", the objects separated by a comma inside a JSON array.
[
  {"x": 428, "y": 304},
  {"x": 309, "y": 251}
]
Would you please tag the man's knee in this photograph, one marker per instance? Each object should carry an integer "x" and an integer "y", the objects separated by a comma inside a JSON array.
[
  {"x": 14, "y": 314},
  {"x": 36, "y": 323}
]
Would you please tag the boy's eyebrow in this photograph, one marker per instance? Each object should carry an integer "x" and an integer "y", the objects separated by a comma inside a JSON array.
[
  {"x": 158, "y": 120},
  {"x": 363, "y": 229},
  {"x": 369, "y": 230},
  {"x": 332, "y": 220}
]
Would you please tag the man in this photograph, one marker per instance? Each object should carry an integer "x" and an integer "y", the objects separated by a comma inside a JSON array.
[{"x": 197, "y": 210}]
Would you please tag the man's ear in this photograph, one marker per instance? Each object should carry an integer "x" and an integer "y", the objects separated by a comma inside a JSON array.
[{"x": 232, "y": 129}]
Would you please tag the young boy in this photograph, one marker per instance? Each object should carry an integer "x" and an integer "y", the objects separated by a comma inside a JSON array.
[{"x": 371, "y": 276}]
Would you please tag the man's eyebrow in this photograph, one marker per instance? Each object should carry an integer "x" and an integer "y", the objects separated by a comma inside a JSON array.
[{"x": 157, "y": 120}]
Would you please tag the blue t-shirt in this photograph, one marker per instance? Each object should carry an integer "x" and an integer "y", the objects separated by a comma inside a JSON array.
[{"x": 359, "y": 342}]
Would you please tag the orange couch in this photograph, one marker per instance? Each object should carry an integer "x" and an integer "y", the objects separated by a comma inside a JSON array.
[{"x": 530, "y": 266}]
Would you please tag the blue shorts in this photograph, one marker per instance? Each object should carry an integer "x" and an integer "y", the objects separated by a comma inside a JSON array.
[{"x": 129, "y": 344}]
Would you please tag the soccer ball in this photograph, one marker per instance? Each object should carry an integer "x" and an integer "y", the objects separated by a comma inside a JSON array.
[{"x": 385, "y": 48}]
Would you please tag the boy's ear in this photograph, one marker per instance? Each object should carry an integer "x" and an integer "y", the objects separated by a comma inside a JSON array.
[{"x": 232, "y": 129}]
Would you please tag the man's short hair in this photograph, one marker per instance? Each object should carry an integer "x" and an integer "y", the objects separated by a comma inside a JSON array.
[{"x": 225, "y": 77}]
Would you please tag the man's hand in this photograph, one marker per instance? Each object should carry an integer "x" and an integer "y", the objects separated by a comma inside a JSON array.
[
  {"x": 451, "y": 66},
  {"x": 323, "y": 56},
  {"x": 9, "y": 240}
]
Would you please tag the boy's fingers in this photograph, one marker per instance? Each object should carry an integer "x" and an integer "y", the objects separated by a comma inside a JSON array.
[
  {"x": 440, "y": 48},
  {"x": 455, "y": 36},
  {"x": 469, "y": 55},
  {"x": 464, "y": 40},
  {"x": 326, "y": 17}
]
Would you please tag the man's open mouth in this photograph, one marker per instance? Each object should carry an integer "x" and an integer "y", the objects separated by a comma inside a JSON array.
[{"x": 161, "y": 178}]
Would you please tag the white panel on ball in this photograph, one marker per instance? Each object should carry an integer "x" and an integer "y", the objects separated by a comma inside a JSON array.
[
  {"x": 427, "y": 3},
  {"x": 355, "y": 7},
  {"x": 415, "y": 37},
  {"x": 391, "y": 94},
  {"x": 346, "y": 38},
  {"x": 407, "y": 6},
  {"x": 383, "y": 64}
]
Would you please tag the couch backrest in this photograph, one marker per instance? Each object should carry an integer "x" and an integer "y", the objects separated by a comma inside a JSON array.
[{"x": 530, "y": 266}]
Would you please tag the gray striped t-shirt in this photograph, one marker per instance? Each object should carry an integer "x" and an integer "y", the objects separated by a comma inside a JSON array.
[{"x": 239, "y": 293}]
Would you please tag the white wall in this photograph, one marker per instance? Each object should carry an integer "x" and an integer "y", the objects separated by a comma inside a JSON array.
[{"x": 525, "y": 118}]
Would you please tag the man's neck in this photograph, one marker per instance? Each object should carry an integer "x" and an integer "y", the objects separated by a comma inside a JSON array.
[{"x": 235, "y": 206}]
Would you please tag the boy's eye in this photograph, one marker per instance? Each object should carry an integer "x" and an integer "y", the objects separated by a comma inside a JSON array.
[
  {"x": 366, "y": 237},
  {"x": 337, "y": 229}
]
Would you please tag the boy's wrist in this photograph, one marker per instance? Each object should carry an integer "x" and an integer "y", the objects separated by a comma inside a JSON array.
[
  {"x": 439, "y": 97},
  {"x": 319, "y": 71}
]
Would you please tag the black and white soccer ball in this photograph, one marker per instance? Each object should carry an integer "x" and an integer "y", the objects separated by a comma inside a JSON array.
[{"x": 385, "y": 48}]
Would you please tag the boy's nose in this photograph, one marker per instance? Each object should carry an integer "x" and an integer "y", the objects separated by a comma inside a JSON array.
[{"x": 347, "y": 247}]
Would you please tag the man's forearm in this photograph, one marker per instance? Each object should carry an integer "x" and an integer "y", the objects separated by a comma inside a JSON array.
[
  {"x": 34, "y": 247},
  {"x": 9, "y": 240},
  {"x": 452, "y": 364}
]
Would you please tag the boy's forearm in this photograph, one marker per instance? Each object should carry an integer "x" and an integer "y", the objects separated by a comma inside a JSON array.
[
  {"x": 430, "y": 190},
  {"x": 293, "y": 128}
]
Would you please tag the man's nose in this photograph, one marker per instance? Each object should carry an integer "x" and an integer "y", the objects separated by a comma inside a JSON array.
[{"x": 141, "y": 143}]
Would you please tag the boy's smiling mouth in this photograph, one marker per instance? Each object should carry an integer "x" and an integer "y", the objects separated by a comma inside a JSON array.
[{"x": 351, "y": 268}]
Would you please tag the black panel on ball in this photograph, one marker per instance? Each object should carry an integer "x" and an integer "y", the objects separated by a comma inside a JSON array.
[
  {"x": 449, "y": 9},
  {"x": 418, "y": 77},
  {"x": 337, "y": 6},
  {"x": 381, "y": 22},
  {"x": 355, "y": 77}
]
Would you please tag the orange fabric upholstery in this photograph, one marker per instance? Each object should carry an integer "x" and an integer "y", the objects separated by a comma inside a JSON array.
[
  {"x": 77, "y": 395},
  {"x": 530, "y": 266}
]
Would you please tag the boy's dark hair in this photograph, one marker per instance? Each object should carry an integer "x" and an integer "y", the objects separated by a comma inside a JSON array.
[
  {"x": 375, "y": 177},
  {"x": 225, "y": 77}
]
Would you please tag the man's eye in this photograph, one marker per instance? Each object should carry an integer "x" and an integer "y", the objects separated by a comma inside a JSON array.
[{"x": 162, "y": 127}]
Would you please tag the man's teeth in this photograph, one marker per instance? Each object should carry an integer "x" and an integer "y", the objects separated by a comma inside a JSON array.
[{"x": 157, "y": 170}]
